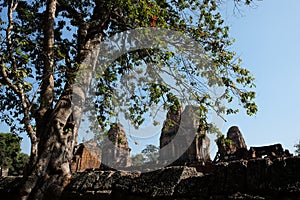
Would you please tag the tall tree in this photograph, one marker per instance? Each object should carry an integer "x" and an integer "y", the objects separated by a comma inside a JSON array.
[{"x": 45, "y": 43}]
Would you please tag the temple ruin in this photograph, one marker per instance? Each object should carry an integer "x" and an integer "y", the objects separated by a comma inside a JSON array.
[
  {"x": 115, "y": 149},
  {"x": 182, "y": 142},
  {"x": 181, "y": 139},
  {"x": 235, "y": 135},
  {"x": 233, "y": 147},
  {"x": 168, "y": 133},
  {"x": 86, "y": 156}
]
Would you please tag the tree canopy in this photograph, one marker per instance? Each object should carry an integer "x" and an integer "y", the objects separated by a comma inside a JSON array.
[{"x": 30, "y": 86}]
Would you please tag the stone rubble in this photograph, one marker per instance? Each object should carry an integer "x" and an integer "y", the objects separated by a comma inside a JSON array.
[{"x": 248, "y": 179}]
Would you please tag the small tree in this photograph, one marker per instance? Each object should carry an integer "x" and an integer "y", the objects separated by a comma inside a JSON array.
[
  {"x": 151, "y": 153},
  {"x": 11, "y": 157},
  {"x": 137, "y": 160},
  {"x": 297, "y": 146},
  {"x": 19, "y": 164}
]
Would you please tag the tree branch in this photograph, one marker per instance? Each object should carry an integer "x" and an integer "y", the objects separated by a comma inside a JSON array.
[
  {"x": 62, "y": 6},
  {"x": 47, "y": 90},
  {"x": 10, "y": 10},
  {"x": 17, "y": 89}
]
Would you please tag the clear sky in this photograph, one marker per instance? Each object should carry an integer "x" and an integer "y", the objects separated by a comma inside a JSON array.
[{"x": 267, "y": 39}]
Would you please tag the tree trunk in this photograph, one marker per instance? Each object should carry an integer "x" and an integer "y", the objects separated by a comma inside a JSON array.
[
  {"x": 57, "y": 126},
  {"x": 51, "y": 172},
  {"x": 49, "y": 175}
]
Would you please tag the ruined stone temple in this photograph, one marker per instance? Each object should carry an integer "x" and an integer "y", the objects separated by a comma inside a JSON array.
[
  {"x": 235, "y": 135},
  {"x": 168, "y": 132},
  {"x": 115, "y": 149},
  {"x": 86, "y": 156},
  {"x": 237, "y": 149},
  {"x": 180, "y": 138}
]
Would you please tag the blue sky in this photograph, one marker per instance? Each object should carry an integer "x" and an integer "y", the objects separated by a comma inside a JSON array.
[{"x": 267, "y": 39}]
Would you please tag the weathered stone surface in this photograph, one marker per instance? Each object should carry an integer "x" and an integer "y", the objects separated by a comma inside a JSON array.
[
  {"x": 274, "y": 150},
  {"x": 199, "y": 148},
  {"x": 237, "y": 149},
  {"x": 235, "y": 135},
  {"x": 284, "y": 174},
  {"x": 229, "y": 178},
  {"x": 168, "y": 133},
  {"x": 95, "y": 184},
  {"x": 252, "y": 179},
  {"x": 86, "y": 156},
  {"x": 115, "y": 149},
  {"x": 193, "y": 187},
  {"x": 233, "y": 147},
  {"x": 181, "y": 139},
  {"x": 239, "y": 195},
  {"x": 160, "y": 183}
]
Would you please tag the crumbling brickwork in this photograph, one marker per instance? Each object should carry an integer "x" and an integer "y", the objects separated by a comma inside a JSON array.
[{"x": 86, "y": 156}]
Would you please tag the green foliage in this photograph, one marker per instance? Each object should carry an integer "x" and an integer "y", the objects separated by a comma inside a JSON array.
[
  {"x": 10, "y": 154},
  {"x": 21, "y": 59},
  {"x": 297, "y": 146},
  {"x": 121, "y": 140},
  {"x": 10, "y": 147},
  {"x": 222, "y": 140},
  {"x": 151, "y": 152},
  {"x": 19, "y": 164},
  {"x": 144, "y": 90},
  {"x": 137, "y": 160}
]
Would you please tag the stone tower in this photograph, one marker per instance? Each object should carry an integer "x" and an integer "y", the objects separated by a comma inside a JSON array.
[
  {"x": 115, "y": 149},
  {"x": 198, "y": 149},
  {"x": 183, "y": 141},
  {"x": 168, "y": 132},
  {"x": 236, "y": 149},
  {"x": 235, "y": 135}
]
